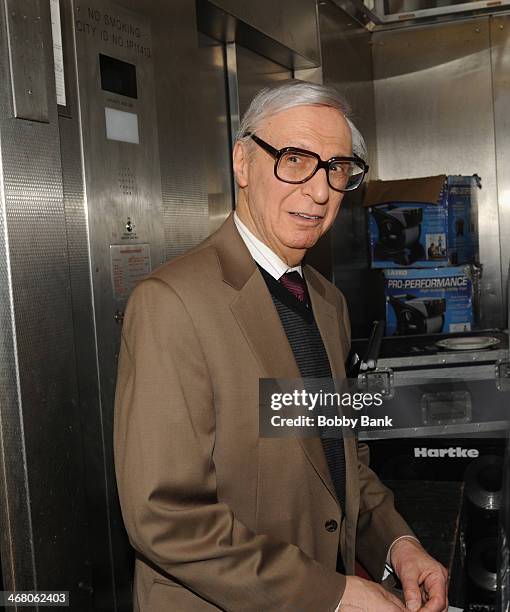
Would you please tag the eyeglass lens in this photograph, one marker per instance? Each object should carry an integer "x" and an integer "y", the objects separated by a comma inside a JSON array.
[{"x": 295, "y": 167}]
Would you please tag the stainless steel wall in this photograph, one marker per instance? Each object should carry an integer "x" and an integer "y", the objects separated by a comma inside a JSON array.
[
  {"x": 102, "y": 185},
  {"x": 291, "y": 23},
  {"x": 216, "y": 129},
  {"x": 100, "y": 582},
  {"x": 500, "y": 62},
  {"x": 284, "y": 32},
  {"x": 181, "y": 111},
  {"x": 435, "y": 114},
  {"x": 44, "y": 518}
]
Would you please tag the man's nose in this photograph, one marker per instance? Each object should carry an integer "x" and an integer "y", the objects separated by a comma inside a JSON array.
[{"x": 317, "y": 187}]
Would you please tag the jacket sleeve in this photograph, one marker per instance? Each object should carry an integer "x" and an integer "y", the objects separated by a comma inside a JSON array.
[
  {"x": 379, "y": 524},
  {"x": 164, "y": 441}
]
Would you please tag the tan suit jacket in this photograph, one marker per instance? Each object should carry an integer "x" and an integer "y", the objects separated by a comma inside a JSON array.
[{"x": 221, "y": 518}]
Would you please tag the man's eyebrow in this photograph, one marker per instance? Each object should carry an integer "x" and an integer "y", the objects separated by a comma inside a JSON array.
[
  {"x": 301, "y": 145},
  {"x": 307, "y": 148}
]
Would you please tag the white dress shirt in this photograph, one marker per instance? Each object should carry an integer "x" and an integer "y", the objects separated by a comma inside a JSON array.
[{"x": 275, "y": 266}]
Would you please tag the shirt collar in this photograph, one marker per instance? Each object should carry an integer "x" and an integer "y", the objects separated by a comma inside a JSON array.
[{"x": 262, "y": 254}]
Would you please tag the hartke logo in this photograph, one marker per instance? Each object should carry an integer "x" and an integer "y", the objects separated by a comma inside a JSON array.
[{"x": 463, "y": 453}]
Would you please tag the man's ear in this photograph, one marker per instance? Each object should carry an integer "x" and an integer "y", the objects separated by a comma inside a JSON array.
[{"x": 240, "y": 163}]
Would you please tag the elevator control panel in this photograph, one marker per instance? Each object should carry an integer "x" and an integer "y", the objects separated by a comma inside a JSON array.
[{"x": 115, "y": 66}]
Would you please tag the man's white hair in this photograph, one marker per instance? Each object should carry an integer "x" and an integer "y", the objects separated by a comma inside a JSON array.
[{"x": 288, "y": 94}]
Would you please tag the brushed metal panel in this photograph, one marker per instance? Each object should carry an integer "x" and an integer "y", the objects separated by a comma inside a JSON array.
[
  {"x": 434, "y": 109},
  {"x": 16, "y": 550},
  {"x": 255, "y": 72},
  {"x": 42, "y": 471},
  {"x": 102, "y": 582},
  {"x": 124, "y": 206},
  {"x": 291, "y": 23},
  {"x": 500, "y": 38},
  {"x": 213, "y": 68},
  {"x": 182, "y": 112},
  {"x": 233, "y": 91},
  {"x": 27, "y": 59},
  {"x": 16, "y": 540},
  {"x": 122, "y": 178},
  {"x": 347, "y": 64}
]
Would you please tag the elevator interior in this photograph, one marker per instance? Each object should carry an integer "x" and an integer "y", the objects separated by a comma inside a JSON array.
[{"x": 116, "y": 123}]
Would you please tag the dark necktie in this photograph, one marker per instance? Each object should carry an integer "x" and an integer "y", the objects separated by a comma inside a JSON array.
[
  {"x": 333, "y": 447},
  {"x": 294, "y": 282}
]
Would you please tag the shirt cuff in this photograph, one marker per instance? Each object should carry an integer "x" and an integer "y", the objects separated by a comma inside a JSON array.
[{"x": 388, "y": 556}]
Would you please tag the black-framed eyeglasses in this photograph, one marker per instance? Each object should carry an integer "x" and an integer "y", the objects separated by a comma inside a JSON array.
[{"x": 294, "y": 165}]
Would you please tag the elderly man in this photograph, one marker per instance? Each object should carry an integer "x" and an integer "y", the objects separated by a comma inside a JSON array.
[{"x": 221, "y": 518}]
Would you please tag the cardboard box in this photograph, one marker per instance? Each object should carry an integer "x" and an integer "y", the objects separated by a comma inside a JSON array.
[
  {"x": 428, "y": 301},
  {"x": 423, "y": 223}
]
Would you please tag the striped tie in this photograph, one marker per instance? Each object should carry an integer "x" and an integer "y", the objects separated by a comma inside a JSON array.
[{"x": 294, "y": 282}]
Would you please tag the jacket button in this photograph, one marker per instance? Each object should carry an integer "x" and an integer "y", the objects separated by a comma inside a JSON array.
[{"x": 331, "y": 525}]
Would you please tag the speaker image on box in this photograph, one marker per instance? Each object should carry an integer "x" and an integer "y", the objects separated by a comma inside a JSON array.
[
  {"x": 399, "y": 235},
  {"x": 418, "y": 315}
]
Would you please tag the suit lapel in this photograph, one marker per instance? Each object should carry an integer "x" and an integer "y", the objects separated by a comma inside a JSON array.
[
  {"x": 252, "y": 305},
  {"x": 255, "y": 312},
  {"x": 258, "y": 319}
]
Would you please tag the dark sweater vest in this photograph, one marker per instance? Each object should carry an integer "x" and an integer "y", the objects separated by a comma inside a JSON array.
[{"x": 312, "y": 360}]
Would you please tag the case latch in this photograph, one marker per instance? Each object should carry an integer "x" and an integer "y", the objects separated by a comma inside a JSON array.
[{"x": 377, "y": 381}]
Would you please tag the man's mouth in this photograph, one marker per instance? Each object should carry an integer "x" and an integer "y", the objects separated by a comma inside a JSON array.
[{"x": 305, "y": 216}]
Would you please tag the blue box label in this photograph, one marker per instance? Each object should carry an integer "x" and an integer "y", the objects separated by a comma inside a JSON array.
[{"x": 428, "y": 301}]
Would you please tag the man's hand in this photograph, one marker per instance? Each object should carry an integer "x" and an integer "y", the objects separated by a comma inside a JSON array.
[
  {"x": 365, "y": 596},
  {"x": 424, "y": 580}
]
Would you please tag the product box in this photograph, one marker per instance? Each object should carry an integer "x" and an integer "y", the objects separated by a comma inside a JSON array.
[
  {"x": 424, "y": 222},
  {"x": 436, "y": 301}
]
